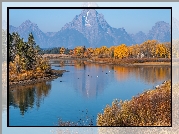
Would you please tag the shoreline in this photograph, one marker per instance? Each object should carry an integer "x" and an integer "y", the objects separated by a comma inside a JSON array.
[
  {"x": 154, "y": 64},
  {"x": 58, "y": 73},
  {"x": 135, "y": 64},
  {"x": 54, "y": 75},
  {"x": 110, "y": 61},
  {"x": 156, "y": 100}
]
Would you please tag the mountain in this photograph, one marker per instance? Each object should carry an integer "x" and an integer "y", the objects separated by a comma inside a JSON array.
[
  {"x": 26, "y": 28},
  {"x": 69, "y": 38},
  {"x": 50, "y": 34},
  {"x": 161, "y": 31},
  {"x": 12, "y": 29},
  {"x": 175, "y": 28},
  {"x": 96, "y": 30},
  {"x": 139, "y": 37},
  {"x": 90, "y": 29}
]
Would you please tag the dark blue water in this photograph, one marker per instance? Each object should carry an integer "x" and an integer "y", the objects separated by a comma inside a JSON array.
[{"x": 81, "y": 93}]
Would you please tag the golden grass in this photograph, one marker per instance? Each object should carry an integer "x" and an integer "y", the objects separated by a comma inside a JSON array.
[
  {"x": 151, "y": 108},
  {"x": 151, "y": 130}
]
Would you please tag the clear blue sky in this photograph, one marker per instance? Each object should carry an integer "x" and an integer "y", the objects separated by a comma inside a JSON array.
[{"x": 52, "y": 20}]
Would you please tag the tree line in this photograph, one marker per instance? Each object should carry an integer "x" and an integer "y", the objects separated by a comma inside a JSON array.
[
  {"x": 56, "y": 50},
  {"x": 25, "y": 57},
  {"x": 148, "y": 49}
]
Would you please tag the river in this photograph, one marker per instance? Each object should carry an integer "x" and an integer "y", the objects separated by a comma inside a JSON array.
[{"x": 80, "y": 94}]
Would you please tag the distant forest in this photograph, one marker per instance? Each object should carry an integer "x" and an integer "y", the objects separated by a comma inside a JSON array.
[
  {"x": 54, "y": 50},
  {"x": 147, "y": 49}
]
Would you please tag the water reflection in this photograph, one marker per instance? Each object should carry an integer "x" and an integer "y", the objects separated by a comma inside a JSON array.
[
  {"x": 91, "y": 79},
  {"x": 148, "y": 74},
  {"x": 25, "y": 97},
  {"x": 86, "y": 84}
]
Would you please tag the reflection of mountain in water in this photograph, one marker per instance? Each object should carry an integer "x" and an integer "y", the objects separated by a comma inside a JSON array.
[
  {"x": 92, "y": 81},
  {"x": 24, "y": 97}
]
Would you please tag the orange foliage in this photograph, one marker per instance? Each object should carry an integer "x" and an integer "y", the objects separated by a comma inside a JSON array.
[{"x": 121, "y": 51}]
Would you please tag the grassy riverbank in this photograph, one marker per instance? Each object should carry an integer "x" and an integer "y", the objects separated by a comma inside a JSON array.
[
  {"x": 154, "y": 64},
  {"x": 113, "y": 61},
  {"x": 132, "y": 61},
  {"x": 151, "y": 108}
]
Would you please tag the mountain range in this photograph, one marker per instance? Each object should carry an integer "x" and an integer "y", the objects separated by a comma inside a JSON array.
[{"x": 90, "y": 29}]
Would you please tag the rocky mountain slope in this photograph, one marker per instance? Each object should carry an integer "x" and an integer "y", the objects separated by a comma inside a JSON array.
[{"x": 90, "y": 29}]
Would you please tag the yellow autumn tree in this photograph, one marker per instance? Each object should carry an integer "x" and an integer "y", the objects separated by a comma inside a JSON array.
[
  {"x": 134, "y": 50},
  {"x": 168, "y": 48},
  {"x": 161, "y": 51},
  {"x": 78, "y": 51},
  {"x": 104, "y": 51},
  {"x": 111, "y": 51},
  {"x": 121, "y": 51},
  {"x": 131, "y": 51},
  {"x": 90, "y": 51},
  {"x": 97, "y": 51},
  {"x": 148, "y": 47},
  {"x": 62, "y": 50}
]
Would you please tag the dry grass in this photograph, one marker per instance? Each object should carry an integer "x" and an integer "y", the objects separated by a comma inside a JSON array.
[
  {"x": 151, "y": 130},
  {"x": 151, "y": 108},
  {"x": 153, "y": 63},
  {"x": 133, "y": 61}
]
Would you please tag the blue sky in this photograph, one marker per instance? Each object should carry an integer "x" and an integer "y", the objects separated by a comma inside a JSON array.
[{"x": 52, "y": 20}]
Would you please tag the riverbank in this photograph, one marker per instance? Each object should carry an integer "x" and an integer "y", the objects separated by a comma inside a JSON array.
[
  {"x": 132, "y": 61},
  {"x": 151, "y": 108},
  {"x": 113, "y": 61},
  {"x": 53, "y": 74},
  {"x": 154, "y": 64},
  {"x": 121, "y": 62}
]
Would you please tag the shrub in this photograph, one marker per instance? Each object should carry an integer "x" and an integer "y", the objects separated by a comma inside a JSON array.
[{"x": 151, "y": 108}]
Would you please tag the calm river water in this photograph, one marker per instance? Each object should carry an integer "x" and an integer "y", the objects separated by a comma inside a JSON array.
[{"x": 81, "y": 93}]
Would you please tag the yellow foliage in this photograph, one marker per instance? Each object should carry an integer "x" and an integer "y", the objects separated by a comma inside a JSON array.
[
  {"x": 161, "y": 51},
  {"x": 78, "y": 51},
  {"x": 121, "y": 51},
  {"x": 12, "y": 67},
  {"x": 97, "y": 51},
  {"x": 62, "y": 50},
  {"x": 151, "y": 108}
]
